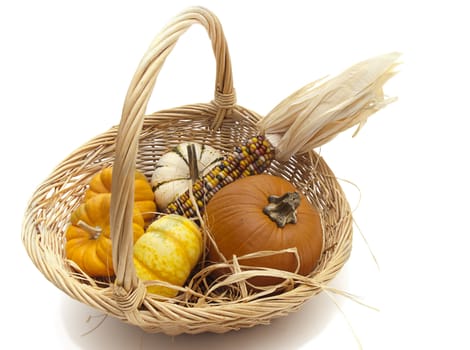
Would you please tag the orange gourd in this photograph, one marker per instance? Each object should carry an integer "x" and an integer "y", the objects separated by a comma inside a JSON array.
[
  {"x": 265, "y": 213},
  {"x": 88, "y": 237},
  {"x": 143, "y": 194}
]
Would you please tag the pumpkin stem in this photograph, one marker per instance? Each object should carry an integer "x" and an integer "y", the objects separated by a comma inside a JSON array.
[
  {"x": 192, "y": 160},
  {"x": 93, "y": 231},
  {"x": 282, "y": 209}
]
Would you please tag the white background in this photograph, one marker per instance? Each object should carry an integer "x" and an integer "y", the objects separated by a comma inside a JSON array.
[{"x": 64, "y": 70}]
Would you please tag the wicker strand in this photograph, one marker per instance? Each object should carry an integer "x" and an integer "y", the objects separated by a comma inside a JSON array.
[
  {"x": 130, "y": 301},
  {"x": 224, "y": 103}
]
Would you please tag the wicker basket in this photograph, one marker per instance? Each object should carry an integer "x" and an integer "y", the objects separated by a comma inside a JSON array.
[{"x": 138, "y": 142}]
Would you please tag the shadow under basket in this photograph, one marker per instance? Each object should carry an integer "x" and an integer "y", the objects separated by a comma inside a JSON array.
[{"x": 137, "y": 143}]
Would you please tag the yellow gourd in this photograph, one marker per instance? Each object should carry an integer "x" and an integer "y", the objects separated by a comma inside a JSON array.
[
  {"x": 168, "y": 251},
  {"x": 88, "y": 237}
]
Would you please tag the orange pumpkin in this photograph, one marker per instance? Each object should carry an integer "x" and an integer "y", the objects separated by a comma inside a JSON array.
[
  {"x": 88, "y": 236},
  {"x": 143, "y": 195},
  {"x": 265, "y": 213}
]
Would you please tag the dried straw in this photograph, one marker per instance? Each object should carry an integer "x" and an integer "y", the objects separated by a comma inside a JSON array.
[
  {"x": 203, "y": 304},
  {"x": 319, "y": 111}
]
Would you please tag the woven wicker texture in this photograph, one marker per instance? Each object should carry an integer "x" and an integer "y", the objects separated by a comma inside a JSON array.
[{"x": 137, "y": 143}]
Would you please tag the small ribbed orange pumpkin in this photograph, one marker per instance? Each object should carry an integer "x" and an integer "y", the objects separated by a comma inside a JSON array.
[
  {"x": 265, "y": 213},
  {"x": 89, "y": 236},
  {"x": 143, "y": 195}
]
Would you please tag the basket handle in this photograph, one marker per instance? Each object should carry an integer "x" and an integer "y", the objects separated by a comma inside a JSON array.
[{"x": 132, "y": 118}]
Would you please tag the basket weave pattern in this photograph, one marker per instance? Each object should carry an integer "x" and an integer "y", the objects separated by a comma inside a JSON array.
[{"x": 137, "y": 143}]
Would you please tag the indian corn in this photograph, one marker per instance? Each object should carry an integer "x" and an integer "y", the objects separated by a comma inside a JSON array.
[{"x": 254, "y": 157}]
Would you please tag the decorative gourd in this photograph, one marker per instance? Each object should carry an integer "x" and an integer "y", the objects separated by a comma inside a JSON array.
[
  {"x": 88, "y": 237},
  {"x": 168, "y": 251},
  {"x": 173, "y": 170},
  {"x": 143, "y": 195},
  {"x": 265, "y": 213}
]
